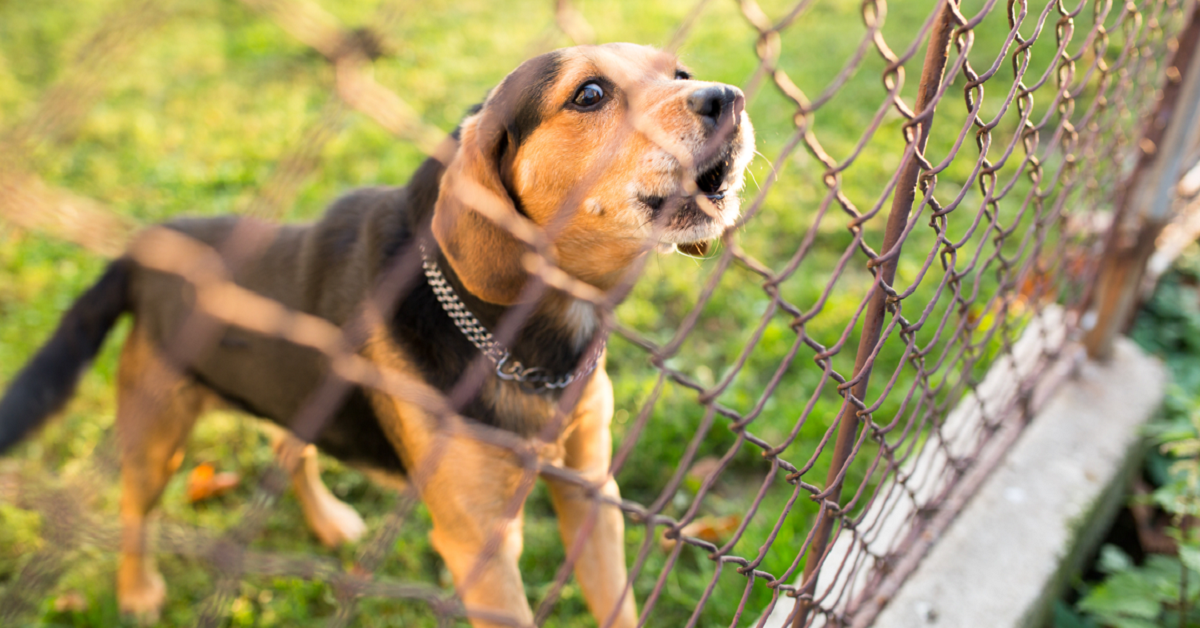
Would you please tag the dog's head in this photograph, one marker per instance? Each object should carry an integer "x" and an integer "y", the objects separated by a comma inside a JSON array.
[{"x": 600, "y": 153}]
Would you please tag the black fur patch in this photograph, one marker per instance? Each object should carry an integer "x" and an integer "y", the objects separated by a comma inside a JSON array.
[
  {"x": 530, "y": 82},
  {"x": 514, "y": 112}
]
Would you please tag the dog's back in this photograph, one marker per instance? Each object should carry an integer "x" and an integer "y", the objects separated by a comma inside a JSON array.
[{"x": 324, "y": 269}]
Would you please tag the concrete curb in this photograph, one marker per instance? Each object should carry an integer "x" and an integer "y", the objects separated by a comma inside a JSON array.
[{"x": 1012, "y": 550}]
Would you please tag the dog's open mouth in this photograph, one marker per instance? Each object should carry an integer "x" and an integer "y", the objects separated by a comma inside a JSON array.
[
  {"x": 694, "y": 249},
  {"x": 709, "y": 183}
]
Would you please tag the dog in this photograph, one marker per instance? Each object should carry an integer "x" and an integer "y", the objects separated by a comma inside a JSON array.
[{"x": 582, "y": 160}]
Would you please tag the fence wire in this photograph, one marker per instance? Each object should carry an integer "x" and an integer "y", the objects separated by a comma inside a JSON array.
[{"x": 892, "y": 306}]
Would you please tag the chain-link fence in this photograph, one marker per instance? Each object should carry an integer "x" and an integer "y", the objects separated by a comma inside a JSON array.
[{"x": 799, "y": 414}]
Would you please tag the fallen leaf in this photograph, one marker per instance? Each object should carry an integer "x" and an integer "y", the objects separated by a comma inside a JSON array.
[
  {"x": 704, "y": 467},
  {"x": 71, "y": 601},
  {"x": 205, "y": 483},
  {"x": 707, "y": 528}
]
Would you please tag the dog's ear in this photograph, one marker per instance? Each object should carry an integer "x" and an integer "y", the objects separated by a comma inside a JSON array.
[{"x": 476, "y": 215}]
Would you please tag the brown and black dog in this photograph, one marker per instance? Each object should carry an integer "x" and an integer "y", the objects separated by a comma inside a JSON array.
[{"x": 604, "y": 152}]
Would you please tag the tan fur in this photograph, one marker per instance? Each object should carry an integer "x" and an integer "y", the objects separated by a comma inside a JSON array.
[{"x": 474, "y": 214}]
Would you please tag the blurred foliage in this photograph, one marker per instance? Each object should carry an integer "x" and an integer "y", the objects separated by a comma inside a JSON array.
[{"x": 1164, "y": 590}]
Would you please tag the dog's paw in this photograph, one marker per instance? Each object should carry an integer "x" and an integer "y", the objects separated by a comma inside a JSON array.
[
  {"x": 142, "y": 597},
  {"x": 336, "y": 523}
]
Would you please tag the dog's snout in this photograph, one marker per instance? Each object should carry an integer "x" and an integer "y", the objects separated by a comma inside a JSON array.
[{"x": 715, "y": 101}]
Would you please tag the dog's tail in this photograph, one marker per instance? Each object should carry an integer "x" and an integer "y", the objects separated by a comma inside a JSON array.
[{"x": 48, "y": 380}]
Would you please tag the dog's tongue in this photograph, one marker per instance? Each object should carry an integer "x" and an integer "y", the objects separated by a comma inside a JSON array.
[{"x": 694, "y": 249}]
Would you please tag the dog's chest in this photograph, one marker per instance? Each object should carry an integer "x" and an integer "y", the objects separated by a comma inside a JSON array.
[{"x": 519, "y": 410}]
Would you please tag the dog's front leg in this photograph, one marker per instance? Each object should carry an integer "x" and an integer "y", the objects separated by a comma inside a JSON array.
[
  {"x": 600, "y": 566},
  {"x": 474, "y": 492}
]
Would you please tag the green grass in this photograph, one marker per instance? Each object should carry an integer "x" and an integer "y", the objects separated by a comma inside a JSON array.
[{"x": 195, "y": 117}]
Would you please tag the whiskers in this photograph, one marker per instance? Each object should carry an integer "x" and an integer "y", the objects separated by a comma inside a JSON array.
[{"x": 774, "y": 173}]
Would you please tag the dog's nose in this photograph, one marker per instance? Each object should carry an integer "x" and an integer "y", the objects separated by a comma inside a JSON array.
[{"x": 714, "y": 101}]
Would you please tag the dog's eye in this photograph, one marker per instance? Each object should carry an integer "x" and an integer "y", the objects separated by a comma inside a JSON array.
[
  {"x": 683, "y": 75},
  {"x": 589, "y": 95}
]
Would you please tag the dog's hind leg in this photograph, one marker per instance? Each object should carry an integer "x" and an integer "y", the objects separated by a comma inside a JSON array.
[
  {"x": 333, "y": 521},
  {"x": 155, "y": 414}
]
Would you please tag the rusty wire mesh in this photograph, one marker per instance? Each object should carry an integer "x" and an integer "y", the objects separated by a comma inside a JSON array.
[{"x": 1003, "y": 151}]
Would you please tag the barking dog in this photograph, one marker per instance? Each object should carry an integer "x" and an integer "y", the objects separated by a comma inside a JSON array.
[{"x": 581, "y": 161}]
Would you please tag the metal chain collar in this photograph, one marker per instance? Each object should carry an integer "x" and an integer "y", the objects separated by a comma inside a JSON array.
[{"x": 508, "y": 369}]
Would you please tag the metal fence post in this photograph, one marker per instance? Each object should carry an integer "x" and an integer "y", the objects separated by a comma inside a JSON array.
[
  {"x": 1143, "y": 205},
  {"x": 934, "y": 68}
]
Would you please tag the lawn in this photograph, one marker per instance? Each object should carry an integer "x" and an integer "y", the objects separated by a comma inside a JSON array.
[{"x": 198, "y": 109}]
